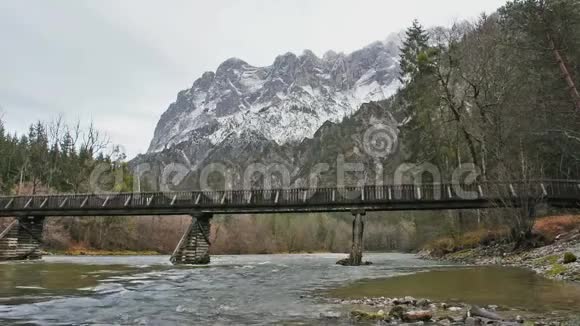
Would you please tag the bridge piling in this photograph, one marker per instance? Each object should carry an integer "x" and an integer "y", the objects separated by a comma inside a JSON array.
[
  {"x": 356, "y": 251},
  {"x": 193, "y": 248},
  {"x": 22, "y": 239}
]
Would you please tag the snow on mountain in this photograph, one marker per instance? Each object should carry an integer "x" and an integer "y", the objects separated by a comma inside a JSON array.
[{"x": 284, "y": 102}]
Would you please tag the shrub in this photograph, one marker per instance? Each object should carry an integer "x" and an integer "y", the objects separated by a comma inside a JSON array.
[
  {"x": 441, "y": 246},
  {"x": 481, "y": 237},
  {"x": 569, "y": 258}
]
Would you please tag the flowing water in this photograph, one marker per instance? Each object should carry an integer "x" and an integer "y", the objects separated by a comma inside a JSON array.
[{"x": 261, "y": 289}]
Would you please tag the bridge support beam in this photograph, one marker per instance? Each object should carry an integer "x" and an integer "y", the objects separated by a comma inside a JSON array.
[
  {"x": 22, "y": 239},
  {"x": 356, "y": 251},
  {"x": 193, "y": 248}
]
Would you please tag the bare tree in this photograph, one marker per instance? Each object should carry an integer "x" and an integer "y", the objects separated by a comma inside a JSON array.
[{"x": 94, "y": 141}]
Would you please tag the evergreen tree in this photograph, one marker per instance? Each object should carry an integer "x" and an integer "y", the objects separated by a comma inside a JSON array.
[
  {"x": 418, "y": 98},
  {"x": 35, "y": 162},
  {"x": 414, "y": 56}
]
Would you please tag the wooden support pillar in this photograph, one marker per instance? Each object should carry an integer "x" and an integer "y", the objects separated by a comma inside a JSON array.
[
  {"x": 356, "y": 251},
  {"x": 193, "y": 248},
  {"x": 358, "y": 226},
  {"x": 22, "y": 239}
]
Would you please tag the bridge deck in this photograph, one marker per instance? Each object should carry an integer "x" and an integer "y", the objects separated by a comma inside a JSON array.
[{"x": 381, "y": 198}]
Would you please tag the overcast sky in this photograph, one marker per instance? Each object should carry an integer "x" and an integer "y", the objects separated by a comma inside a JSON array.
[{"x": 120, "y": 63}]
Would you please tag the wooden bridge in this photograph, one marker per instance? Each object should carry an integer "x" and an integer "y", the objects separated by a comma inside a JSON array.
[{"x": 22, "y": 239}]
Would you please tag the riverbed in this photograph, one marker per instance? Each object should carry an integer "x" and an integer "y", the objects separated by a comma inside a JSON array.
[{"x": 261, "y": 289}]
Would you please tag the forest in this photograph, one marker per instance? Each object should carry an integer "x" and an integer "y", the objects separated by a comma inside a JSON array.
[{"x": 500, "y": 92}]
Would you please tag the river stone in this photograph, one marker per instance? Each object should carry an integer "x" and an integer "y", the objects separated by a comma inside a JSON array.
[
  {"x": 479, "y": 312},
  {"x": 423, "y": 303},
  {"x": 410, "y": 300},
  {"x": 417, "y": 315},
  {"x": 470, "y": 321}
]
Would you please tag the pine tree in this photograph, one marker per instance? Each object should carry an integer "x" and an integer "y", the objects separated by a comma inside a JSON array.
[
  {"x": 419, "y": 98},
  {"x": 414, "y": 53}
]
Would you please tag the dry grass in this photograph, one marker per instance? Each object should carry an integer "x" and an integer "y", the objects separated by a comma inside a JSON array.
[
  {"x": 547, "y": 228},
  {"x": 551, "y": 226},
  {"x": 468, "y": 240},
  {"x": 441, "y": 246}
]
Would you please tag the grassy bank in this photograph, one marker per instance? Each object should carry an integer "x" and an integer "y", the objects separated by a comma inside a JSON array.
[
  {"x": 547, "y": 228},
  {"x": 555, "y": 256}
]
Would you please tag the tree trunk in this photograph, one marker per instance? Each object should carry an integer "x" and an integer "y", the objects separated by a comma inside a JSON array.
[
  {"x": 565, "y": 72},
  {"x": 562, "y": 64}
]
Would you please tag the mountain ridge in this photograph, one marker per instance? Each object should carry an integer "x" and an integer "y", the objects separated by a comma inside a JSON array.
[
  {"x": 241, "y": 114},
  {"x": 295, "y": 91}
]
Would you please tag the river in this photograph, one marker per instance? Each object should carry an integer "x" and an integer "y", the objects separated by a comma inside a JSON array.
[{"x": 261, "y": 289}]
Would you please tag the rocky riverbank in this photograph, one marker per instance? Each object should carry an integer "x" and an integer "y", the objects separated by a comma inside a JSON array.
[
  {"x": 557, "y": 260},
  {"x": 411, "y": 311}
]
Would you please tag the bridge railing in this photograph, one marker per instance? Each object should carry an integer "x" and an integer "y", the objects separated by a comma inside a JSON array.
[
  {"x": 562, "y": 189},
  {"x": 551, "y": 189}
]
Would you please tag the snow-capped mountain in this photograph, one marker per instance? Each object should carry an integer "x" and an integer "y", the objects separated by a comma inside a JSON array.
[
  {"x": 285, "y": 102},
  {"x": 296, "y": 113}
]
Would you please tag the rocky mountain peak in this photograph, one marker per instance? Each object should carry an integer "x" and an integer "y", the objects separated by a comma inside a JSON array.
[
  {"x": 329, "y": 56},
  {"x": 230, "y": 65},
  {"x": 283, "y": 103}
]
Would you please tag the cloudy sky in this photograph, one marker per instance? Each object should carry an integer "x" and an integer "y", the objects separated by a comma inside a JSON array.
[{"x": 120, "y": 63}]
